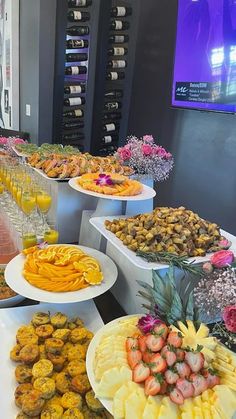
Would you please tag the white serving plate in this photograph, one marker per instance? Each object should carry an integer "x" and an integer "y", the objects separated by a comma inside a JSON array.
[
  {"x": 98, "y": 223},
  {"x": 12, "y": 301},
  {"x": 147, "y": 193},
  {"x": 47, "y": 177},
  {"x": 107, "y": 403},
  {"x": 10, "y": 320},
  {"x": 15, "y": 279}
]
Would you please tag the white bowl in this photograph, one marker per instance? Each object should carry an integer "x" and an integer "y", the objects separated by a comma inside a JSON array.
[{"x": 12, "y": 301}]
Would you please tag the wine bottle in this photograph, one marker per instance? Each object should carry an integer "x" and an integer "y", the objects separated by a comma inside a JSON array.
[
  {"x": 117, "y": 51},
  {"x": 75, "y": 70},
  {"x": 114, "y": 94},
  {"x": 79, "y": 3},
  {"x": 117, "y": 64},
  {"x": 114, "y": 75},
  {"x": 76, "y": 113},
  {"x": 74, "y": 101},
  {"x": 73, "y": 125},
  {"x": 72, "y": 89},
  {"x": 118, "y": 39},
  {"x": 76, "y": 44},
  {"x": 76, "y": 16},
  {"x": 107, "y": 139},
  {"x": 112, "y": 116},
  {"x": 107, "y": 151},
  {"x": 121, "y": 11},
  {"x": 78, "y": 30},
  {"x": 119, "y": 25},
  {"x": 78, "y": 57},
  {"x": 111, "y": 126},
  {"x": 112, "y": 106},
  {"x": 75, "y": 136}
]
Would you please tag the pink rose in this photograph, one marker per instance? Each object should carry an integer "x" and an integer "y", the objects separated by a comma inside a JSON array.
[
  {"x": 147, "y": 149},
  {"x": 160, "y": 151},
  {"x": 124, "y": 153},
  {"x": 3, "y": 140},
  {"x": 222, "y": 258},
  {"x": 225, "y": 244},
  {"x": 229, "y": 317},
  {"x": 18, "y": 141},
  {"x": 168, "y": 156},
  {"x": 148, "y": 139}
]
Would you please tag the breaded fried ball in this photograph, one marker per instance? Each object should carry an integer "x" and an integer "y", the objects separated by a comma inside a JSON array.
[
  {"x": 76, "y": 352},
  {"x": 29, "y": 353},
  {"x": 46, "y": 386},
  {"x": 63, "y": 382},
  {"x": 40, "y": 318},
  {"x": 44, "y": 331},
  {"x": 52, "y": 412},
  {"x": 62, "y": 334},
  {"x": 20, "y": 391},
  {"x": 32, "y": 403},
  {"x": 23, "y": 374},
  {"x": 59, "y": 320},
  {"x": 93, "y": 403},
  {"x": 76, "y": 367},
  {"x": 73, "y": 414},
  {"x": 42, "y": 368},
  {"x": 80, "y": 384},
  {"x": 15, "y": 353},
  {"x": 54, "y": 346},
  {"x": 70, "y": 400}
]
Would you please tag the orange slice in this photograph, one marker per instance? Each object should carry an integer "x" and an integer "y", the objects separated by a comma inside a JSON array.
[{"x": 93, "y": 277}]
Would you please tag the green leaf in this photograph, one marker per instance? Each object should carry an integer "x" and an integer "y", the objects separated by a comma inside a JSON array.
[{"x": 189, "y": 314}]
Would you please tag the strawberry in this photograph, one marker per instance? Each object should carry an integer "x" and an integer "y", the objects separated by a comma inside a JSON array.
[
  {"x": 171, "y": 376},
  {"x": 170, "y": 358},
  {"x": 161, "y": 330},
  {"x": 176, "y": 396},
  {"x": 164, "y": 350},
  {"x": 147, "y": 356},
  {"x": 142, "y": 343},
  {"x": 183, "y": 369},
  {"x": 163, "y": 389},
  {"x": 131, "y": 344},
  {"x": 211, "y": 377},
  {"x": 133, "y": 357},
  {"x": 152, "y": 385},
  {"x": 155, "y": 343},
  {"x": 140, "y": 373},
  {"x": 175, "y": 339},
  {"x": 180, "y": 353},
  {"x": 199, "y": 384},
  {"x": 185, "y": 387},
  {"x": 157, "y": 363},
  {"x": 195, "y": 360}
]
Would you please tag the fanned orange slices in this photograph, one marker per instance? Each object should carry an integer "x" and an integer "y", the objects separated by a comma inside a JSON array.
[{"x": 110, "y": 184}]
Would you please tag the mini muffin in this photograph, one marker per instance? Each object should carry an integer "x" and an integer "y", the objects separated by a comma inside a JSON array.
[
  {"x": 23, "y": 374},
  {"x": 26, "y": 336},
  {"x": 15, "y": 353},
  {"x": 93, "y": 403},
  {"x": 20, "y": 391},
  {"x": 42, "y": 352},
  {"x": 32, "y": 403},
  {"x": 80, "y": 384},
  {"x": 54, "y": 346},
  {"x": 52, "y": 412},
  {"x": 79, "y": 322},
  {"x": 62, "y": 334},
  {"x": 29, "y": 354},
  {"x": 70, "y": 400},
  {"x": 40, "y": 318},
  {"x": 44, "y": 331},
  {"x": 63, "y": 382},
  {"x": 42, "y": 368},
  {"x": 22, "y": 415},
  {"x": 55, "y": 400},
  {"x": 57, "y": 360},
  {"x": 59, "y": 320},
  {"x": 73, "y": 414},
  {"x": 76, "y": 352},
  {"x": 78, "y": 335},
  {"x": 76, "y": 367},
  {"x": 71, "y": 325},
  {"x": 66, "y": 348},
  {"x": 46, "y": 386}
]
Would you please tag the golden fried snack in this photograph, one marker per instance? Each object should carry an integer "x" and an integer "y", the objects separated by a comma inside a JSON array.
[
  {"x": 73, "y": 413},
  {"x": 32, "y": 403},
  {"x": 66, "y": 348},
  {"x": 63, "y": 382},
  {"x": 52, "y": 412},
  {"x": 40, "y": 319},
  {"x": 42, "y": 368},
  {"x": 22, "y": 389},
  {"x": 89, "y": 414},
  {"x": 62, "y": 334},
  {"x": 23, "y": 374},
  {"x": 93, "y": 403},
  {"x": 57, "y": 360},
  {"x": 29, "y": 354},
  {"x": 70, "y": 400},
  {"x": 44, "y": 331},
  {"x": 22, "y": 415},
  {"x": 54, "y": 346},
  {"x": 59, "y": 320},
  {"x": 26, "y": 336},
  {"x": 76, "y": 367},
  {"x": 80, "y": 335},
  {"x": 15, "y": 353},
  {"x": 46, "y": 386},
  {"x": 42, "y": 352},
  {"x": 55, "y": 400},
  {"x": 76, "y": 352},
  {"x": 80, "y": 384}
]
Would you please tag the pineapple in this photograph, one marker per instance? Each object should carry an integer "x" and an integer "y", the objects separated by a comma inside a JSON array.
[
  {"x": 224, "y": 401},
  {"x": 225, "y": 363},
  {"x": 101, "y": 368},
  {"x": 120, "y": 397},
  {"x": 187, "y": 409},
  {"x": 135, "y": 404},
  {"x": 112, "y": 380},
  {"x": 122, "y": 329},
  {"x": 152, "y": 407}
]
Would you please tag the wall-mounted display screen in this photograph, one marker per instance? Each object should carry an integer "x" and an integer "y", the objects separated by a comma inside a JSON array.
[{"x": 205, "y": 56}]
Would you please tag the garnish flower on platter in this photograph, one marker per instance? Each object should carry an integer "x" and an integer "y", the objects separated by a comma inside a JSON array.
[
  {"x": 146, "y": 158},
  {"x": 104, "y": 180}
]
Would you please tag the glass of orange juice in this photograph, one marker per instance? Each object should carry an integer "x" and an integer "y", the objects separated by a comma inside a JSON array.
[
  {"x": 51, "y": 233},
  {"x": 29, "y": 238}
]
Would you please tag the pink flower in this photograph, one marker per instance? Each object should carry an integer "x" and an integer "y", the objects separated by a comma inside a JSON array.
[
  {"x": 207, "y": 267},
  {"x": 124, "y": 153},
  {"x": 225, "y": 244},
  {"x": 168, "y": 156},
  {"x": 229, "y": 317},
  {"x": 147, "y": 323},
  {"x": 18, "y": 141},
  {"x": 148, "y": 139},
  {"x": 3, "y": 140},
  {"x": 147, "y": 149},
  {"x": 103, "y": 180},
  {"x": 160, "y": 151},
  {"x": 222, "y": 258}
]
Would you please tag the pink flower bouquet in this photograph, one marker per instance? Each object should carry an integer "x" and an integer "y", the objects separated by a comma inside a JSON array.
[
  {"x": 146, "y": 158},
  {"x": 229, "y": 317}
]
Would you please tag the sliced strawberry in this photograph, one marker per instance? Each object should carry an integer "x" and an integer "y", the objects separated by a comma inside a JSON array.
[
  {"x": 185, "y": 387},
  {"x": 163, "y": 389},
  {"x": 199, "y": 383},
  {"x": 211, "y": 377},
  {"x": 147, "y": 356},
  {"x": 133, "y": 357},
  {"x": 161, "y": 330},
  {"x": 140, "y": 373},
  {"x": 170, "y": 358},
  {"x": 175, "y": 339},
  {"x": 180, "y": 353},
  {"x": 152, "y": 385},
  {"x": 157, "y": 363},
  {"x": 195, "y": 360},
  {"x": 131, "y": 344},
  {"x": 155, "y": 343},
  {"x": 183, "y": 369},
  {"x": 171, "y": 376},
  {"x": 142, "y": 343},
  {"x": 176, "y": 396}
]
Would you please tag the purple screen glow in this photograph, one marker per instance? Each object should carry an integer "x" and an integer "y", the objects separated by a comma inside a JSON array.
[{"x": 205, "y": 56}]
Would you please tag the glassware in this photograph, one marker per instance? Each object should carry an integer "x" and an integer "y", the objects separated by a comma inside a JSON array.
[
  {"x": 29, "y": 237},
  {"x": 51, "y": 234}
]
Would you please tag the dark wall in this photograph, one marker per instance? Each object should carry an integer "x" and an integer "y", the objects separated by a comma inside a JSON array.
[{"x": 203, "y": 144}]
